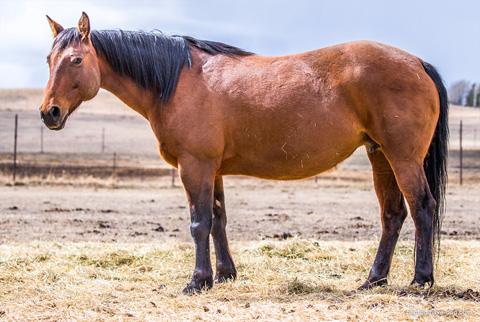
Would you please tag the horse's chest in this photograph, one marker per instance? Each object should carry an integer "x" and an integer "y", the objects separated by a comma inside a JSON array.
[{"x": 167, "y": 155}]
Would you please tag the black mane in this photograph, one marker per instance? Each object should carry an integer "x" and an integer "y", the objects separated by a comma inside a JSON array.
[{"x": 152, "y": 60}]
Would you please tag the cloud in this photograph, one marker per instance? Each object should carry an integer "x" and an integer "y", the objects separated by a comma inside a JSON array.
[{"x": 442, "y": 33}]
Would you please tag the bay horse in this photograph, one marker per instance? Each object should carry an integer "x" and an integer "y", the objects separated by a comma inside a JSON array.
[{"x": 218, "y": 110}]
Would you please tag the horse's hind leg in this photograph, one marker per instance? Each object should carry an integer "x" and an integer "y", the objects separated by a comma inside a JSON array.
[
  {"x": 413, "y": 183},
  {"x": 393, "y": 213},
  {"x": 406, "y": 157},
  {"x": 224, "y": 263}
]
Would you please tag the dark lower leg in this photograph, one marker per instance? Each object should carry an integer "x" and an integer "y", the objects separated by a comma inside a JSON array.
[
  {"x": 199, "y": 188},
  {"x": 392, "y": 223},
  {"x": 393, "y": 212},
  {"x": 225, "y": 268},
  {"x": 412, "y": 181},
  {"x": 202, "y": 274},
  {"x": 423, "y": 218}
]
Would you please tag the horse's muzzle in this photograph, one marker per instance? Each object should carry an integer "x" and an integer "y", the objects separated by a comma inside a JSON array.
[{"x": 53, "y": 118}]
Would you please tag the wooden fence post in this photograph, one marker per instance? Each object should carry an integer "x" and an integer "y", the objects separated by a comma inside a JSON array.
[
  {"x": 103, "y": 140},
  {"x": 41, "y": 139},
  {"x": 114, "y": 163},
  {"x": 461, "y": 153},
  {"x": 15, "y": 149}
]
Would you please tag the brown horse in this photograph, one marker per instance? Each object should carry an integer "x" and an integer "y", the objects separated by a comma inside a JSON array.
[{"x": 217, "y": 110}]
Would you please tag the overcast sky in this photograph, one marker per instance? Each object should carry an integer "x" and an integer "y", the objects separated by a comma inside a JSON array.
[{"x": 444, "y": 33}]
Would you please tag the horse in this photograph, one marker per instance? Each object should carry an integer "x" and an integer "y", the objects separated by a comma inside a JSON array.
[{"x": 218, "y": 110}]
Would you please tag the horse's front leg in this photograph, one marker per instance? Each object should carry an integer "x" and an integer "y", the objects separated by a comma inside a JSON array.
[
  {"x": 198, "y": 180},
  {"x": 224, "y": 263}
]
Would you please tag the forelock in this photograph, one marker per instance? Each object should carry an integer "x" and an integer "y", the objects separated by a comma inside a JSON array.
[{"x": 65, "y": 38}]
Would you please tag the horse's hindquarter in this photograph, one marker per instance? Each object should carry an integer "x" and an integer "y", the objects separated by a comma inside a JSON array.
[
  {"x": 394, "y": 98},
  {"x": 283, "y": 118}
]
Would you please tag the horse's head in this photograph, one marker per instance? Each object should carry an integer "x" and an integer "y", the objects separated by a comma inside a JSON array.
[{"x": 74, "y": 73}]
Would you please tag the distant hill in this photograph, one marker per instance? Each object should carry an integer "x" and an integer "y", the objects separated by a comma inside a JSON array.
[{"x": 29, "y": 99}]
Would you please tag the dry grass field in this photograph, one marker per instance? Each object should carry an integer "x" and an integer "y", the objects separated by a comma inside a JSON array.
[
  {"x": 291, "y": 280},
  {"x": 80, "y": 241}
]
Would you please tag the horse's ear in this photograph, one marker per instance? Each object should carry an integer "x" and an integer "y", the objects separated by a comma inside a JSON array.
[
  {"x": 84, "y": 26},
  {"x": 56, "y": 27}
]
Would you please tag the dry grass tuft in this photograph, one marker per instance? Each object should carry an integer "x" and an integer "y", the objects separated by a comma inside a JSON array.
[
  {"x": 291, "y": 280},
  {"x": 65, "y": 180}
]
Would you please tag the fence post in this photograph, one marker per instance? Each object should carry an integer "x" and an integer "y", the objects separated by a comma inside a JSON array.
[
  {"x": 114, "y": 163},
  {"x": 475, "y": 137},
  {"x": 103, "y": 139},
  {"x": 461, "y": 153},
  {"x": 41, "y": 139},
  {"x": 173, "y": 177},
  {"x": 15, "y": 149}
]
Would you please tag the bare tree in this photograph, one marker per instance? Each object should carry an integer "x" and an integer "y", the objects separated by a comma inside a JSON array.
[
  {"x": 478, "y": 97},
  {"x": 458, "y": 92},
  {"x": 470, "y": 96},
  {"x": 473, "y": 95}
]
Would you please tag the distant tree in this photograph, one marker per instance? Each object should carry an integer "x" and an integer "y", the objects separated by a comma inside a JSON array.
[
  {"x": 471, "y": 96},
  {"x": 475, "y": 92},
  {"x": 458, "y": 92}
]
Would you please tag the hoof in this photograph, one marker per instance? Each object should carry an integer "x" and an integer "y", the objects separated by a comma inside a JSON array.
[
  {"x": 424, "y": 283},
  {"x": 196, "y": 286},
  {"x": 225, "y": 276},
  {"x": 371, "y": 284}
]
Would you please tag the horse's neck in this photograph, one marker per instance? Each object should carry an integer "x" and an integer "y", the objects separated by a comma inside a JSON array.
[
  {"x": 126, "y": 90},
  {"x": 138, "y": 98}
]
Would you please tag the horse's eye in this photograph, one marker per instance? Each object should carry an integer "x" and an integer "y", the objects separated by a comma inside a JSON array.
[{"x": 77, "y": 61}]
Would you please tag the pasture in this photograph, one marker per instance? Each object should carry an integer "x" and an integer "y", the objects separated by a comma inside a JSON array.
[
  {"x": 291, "y": 280},
  {"x": 82, "y": 241}
]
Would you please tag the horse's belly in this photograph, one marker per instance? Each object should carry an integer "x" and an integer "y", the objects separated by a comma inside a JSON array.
[
  {"x": 293, "y": 166},
  {"x": 287, "y": 145}
]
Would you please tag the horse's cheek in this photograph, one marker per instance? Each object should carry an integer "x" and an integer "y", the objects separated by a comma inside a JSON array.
[{"x": 93, "y": 83}]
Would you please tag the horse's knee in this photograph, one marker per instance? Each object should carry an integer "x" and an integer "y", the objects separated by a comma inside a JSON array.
[
  {"x": 219, "y": 219},
  {"x": 402, "y": 214},
  {"x": 217, "y": 228},
  {"x": 200, "y": 229},
  {"x": 393, "y": 221},
  {"x": 219, "y": 223}
]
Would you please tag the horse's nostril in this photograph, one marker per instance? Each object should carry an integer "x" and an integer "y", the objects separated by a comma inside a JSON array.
[{"x": 55, "y": 113}]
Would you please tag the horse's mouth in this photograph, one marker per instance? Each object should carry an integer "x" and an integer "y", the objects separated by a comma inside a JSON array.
[{"x": 57, "y": 127}]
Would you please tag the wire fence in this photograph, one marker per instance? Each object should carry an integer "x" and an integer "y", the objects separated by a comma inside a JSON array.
[
  {"x": 90, "y": 144},
  {"x": 122, "y": 144}
]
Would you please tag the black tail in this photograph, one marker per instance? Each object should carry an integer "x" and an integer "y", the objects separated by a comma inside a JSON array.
[{"x": 435, "y": 163}]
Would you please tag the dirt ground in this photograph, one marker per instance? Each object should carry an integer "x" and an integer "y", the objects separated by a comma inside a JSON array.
[
  {"x": 68, "y": 192},
  {"x": 339, "y": 206}
]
